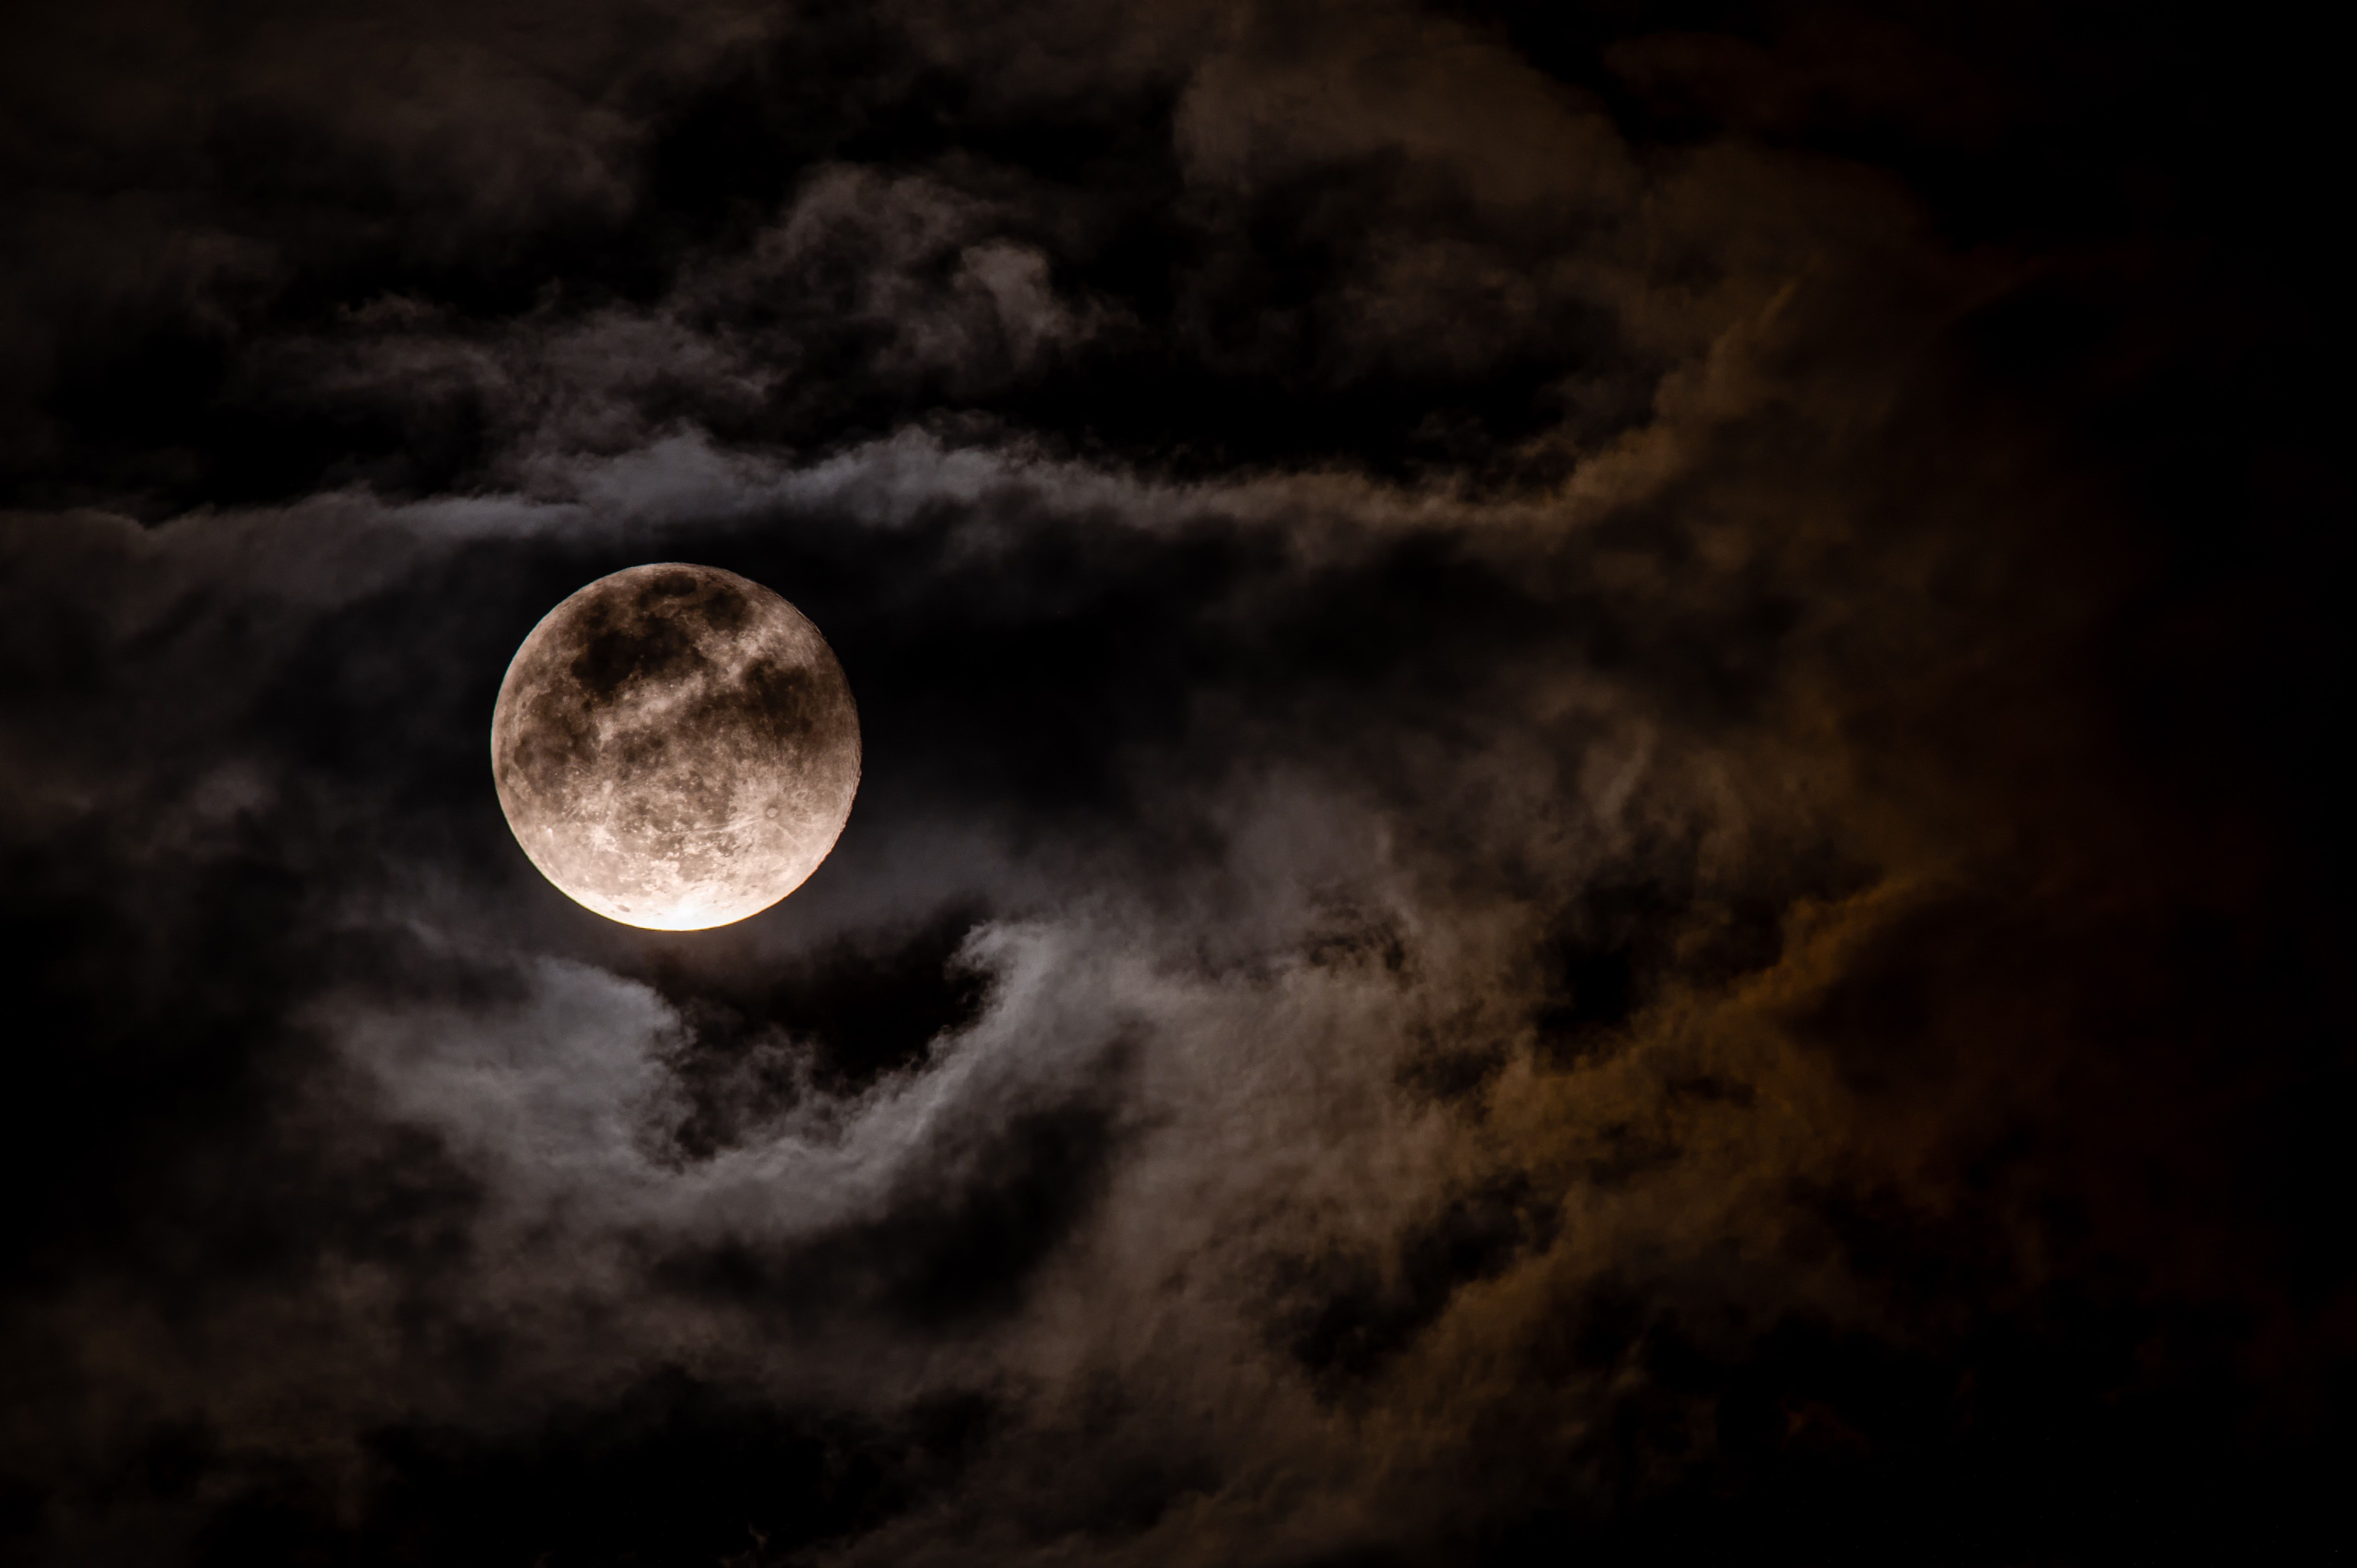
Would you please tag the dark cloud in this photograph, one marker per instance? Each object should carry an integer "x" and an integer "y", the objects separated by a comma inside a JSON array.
[{"x": 1600, "y": 813}]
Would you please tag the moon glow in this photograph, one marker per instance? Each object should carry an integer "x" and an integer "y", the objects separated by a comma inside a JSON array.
[{"x": 675, "y": 746}]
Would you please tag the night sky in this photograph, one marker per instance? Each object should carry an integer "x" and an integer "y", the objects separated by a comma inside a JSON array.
[{"x": 1602, "y": 820}]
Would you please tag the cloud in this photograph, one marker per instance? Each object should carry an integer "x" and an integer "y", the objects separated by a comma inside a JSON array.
[
  {"x": 1520, "y": 888},
  {"x": 1258, "y": 996}
]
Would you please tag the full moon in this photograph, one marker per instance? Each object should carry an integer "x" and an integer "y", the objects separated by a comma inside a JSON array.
[{"x": 675, "y": 746}]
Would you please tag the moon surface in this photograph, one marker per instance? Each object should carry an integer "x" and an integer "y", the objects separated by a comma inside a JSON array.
[{"x": 675, "y": 746}]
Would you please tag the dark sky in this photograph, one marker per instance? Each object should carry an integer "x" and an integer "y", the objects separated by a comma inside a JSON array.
[{"x": 1601, "y": 819}]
